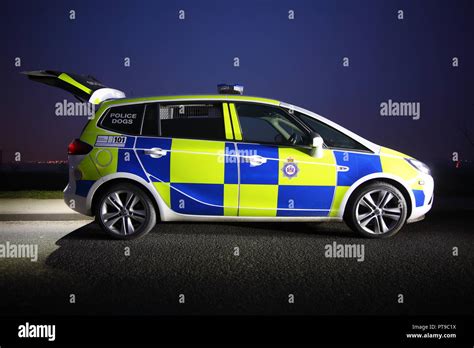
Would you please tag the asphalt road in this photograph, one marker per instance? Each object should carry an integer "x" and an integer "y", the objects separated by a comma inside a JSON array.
[{"x": 276, "y": 259}]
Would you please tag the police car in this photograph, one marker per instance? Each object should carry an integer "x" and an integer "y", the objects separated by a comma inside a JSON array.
[{"x": 230, "y": 157}]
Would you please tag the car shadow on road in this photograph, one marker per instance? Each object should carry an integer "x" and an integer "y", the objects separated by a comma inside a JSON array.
[
  {"x": 88, "y": 247},
  {"x": 90, "y": 241},
  {"x": 313, "y": 229},
  {"x": 92, "y": 231}
]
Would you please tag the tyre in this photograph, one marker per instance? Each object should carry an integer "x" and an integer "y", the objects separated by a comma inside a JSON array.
[
  {"x": 124, "y": 211},
  {"x": 377, "y": 210}
]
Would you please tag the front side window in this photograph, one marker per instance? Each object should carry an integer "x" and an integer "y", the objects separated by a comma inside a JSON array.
[
  {"x": 192, "y": 121},
  {"x": 125, "y": 119},
  {"x": 332, "y": 137},
  {"x": 270, "y": 125}
]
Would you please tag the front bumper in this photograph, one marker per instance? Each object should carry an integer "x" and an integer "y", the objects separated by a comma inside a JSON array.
[{"x": 417, "y": 213}]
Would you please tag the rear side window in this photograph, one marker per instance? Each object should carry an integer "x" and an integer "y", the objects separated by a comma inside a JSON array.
[
  {"x": 125, "y": 119},
  {"x": 192, "y": 121},
  {"x": 151, "y": 124}
]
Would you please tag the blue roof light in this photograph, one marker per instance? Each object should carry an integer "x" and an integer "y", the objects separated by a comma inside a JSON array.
[{"x": 224, "y": 88}]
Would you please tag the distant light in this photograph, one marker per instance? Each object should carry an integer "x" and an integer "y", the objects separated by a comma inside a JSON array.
[{"x": 224, "y": 88}]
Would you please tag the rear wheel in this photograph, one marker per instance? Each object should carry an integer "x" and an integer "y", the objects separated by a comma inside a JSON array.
[
  {"x": 124, "y": 211},
  {"x": 378, "y": 210}
]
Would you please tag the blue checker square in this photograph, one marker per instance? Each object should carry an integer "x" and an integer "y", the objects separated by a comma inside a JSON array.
[
  {"x": 266, "y": 173},
  {"x": 359, "y": 165},
  {"x": 128, "y": 162},
  {"x": 83, "y": 187},
  {"x": 148, "y": 143},
  {"x": 197, "y": 199},
  {"x": 305, "y": 197},
  {"x": 419, "y": 197},
  {"x": 159, "y": 168}
]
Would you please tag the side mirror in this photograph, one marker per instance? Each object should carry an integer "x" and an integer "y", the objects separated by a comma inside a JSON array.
[{"x": 317, "y": 146}]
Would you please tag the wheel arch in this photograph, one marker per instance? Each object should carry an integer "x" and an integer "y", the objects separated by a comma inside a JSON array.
[
  {"x": 107, "y": 181},
  {"x": 380, "y": 177}
]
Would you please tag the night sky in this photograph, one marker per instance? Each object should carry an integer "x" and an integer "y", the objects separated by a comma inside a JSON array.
[{"x": 298, "y": 61}]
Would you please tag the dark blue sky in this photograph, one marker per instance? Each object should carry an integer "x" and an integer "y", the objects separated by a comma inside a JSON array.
[{"x": 298, "y": 61}]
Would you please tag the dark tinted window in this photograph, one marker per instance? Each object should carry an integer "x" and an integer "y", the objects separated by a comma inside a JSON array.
[
  {"x": 126, "y": 119},
  {"x": 150, "y": 121},
  {"x": 192, "y": 121},
  {"x": 332, "y": 137},
  {"x": 267, "y": 124}
]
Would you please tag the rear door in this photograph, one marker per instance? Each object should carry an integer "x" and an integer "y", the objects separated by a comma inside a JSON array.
[
  {"x": 191, "y": 164},
  {"x": 85, "y": 88},
  {"x": 278, "y": 175}
]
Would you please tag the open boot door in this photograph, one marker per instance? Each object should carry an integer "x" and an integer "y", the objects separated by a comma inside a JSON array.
[{"x": 85, "y": 88}]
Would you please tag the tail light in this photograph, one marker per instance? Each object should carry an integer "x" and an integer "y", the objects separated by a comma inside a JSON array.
[{"x": 78, "y": 147}]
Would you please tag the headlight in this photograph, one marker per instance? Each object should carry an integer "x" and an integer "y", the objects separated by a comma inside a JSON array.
[{"x": 419, "y": 165}]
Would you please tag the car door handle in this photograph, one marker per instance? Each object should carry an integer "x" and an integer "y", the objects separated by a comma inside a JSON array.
[
  {"x": 155, "y": 152},
  {"x": 256, "y": 161}
]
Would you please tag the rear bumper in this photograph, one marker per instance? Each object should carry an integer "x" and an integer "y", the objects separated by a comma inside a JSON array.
[
  {"x": 72, "y": 199},
  {"x": 75, "y": 202}
]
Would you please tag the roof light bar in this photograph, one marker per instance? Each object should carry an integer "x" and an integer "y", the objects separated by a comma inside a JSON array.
[{"x": 224, "y": 88}]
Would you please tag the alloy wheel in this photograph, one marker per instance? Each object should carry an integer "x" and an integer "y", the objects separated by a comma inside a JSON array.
[
  {"x": 123, "y": 212},
  {"x": 379, "y": 211}
]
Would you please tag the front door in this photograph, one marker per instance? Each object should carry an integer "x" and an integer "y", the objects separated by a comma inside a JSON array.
[{"x": 278, "y": 175}]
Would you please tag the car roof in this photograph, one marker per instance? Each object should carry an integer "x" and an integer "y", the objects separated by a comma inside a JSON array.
[{"x": 173, "y": 98}]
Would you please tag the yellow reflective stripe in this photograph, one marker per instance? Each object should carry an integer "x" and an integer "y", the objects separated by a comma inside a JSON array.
[
  {"x": 197, "y": 161},
  {"x": 228, "y": 125},
  {"x": 390, "y": 152},
  {"x": 106, "y": 161},
  {"x": 231, "y": 199},
  {"x": 258, "y": 200},
  {"x": 164, "y": 191},
  {"x": 339, "y": 194},
  {"x": 399, "y": 167},
  {"x": 235, "y": 122},
  {"x": 88, "y": 169},
  {"x": 70, "y": 80},
  {"x": 311, "y": 171}
]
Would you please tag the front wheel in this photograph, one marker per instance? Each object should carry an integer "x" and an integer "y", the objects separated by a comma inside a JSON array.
[
  {"x": 125, "y": 212},
  {"x": 378, "y": 210}
]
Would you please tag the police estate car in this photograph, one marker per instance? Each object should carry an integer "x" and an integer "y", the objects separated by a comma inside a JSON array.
[{"x": 230, "y": 157}]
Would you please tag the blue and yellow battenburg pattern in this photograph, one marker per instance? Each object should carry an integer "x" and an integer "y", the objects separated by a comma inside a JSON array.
[{"x": 219, "y": 178}]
